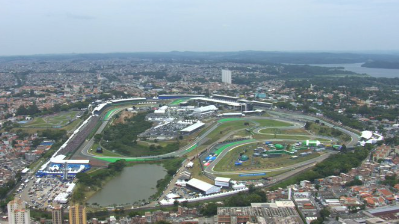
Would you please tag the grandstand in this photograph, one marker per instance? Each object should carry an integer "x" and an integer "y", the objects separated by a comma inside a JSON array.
[
  {"x": 100, "y": 108},
  {"x": 58, "y": 166},
  {"x": 176, "y": 96},
  {"x": 206, "y": 109},
  {"x": 192, "y": 128},
  {"x": 78, "y": 136},
  {"x": 225, "y": 98},
  {"x": 217, "y": 102}
]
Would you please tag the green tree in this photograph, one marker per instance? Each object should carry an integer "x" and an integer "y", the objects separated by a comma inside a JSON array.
[
  {"x": 324, "y": 213},
  {"x": 276, "y": 131},
  {"x": 209, "y": 209},
  {"x": 98, "y": 137},
  {"x": 307, "y": 125},
  {"x": 251, "y": 188}
]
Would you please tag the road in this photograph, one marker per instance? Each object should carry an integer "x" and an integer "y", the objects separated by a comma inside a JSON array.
[
  {"x": 295, "y": 168},
  {"x": 293, "y": 116},
  {"x": 88, "y": 144},
  {"x": 85, "y": 149},
  {"x": 295, "y": 119},
  {"x": 210, "y": 168}
]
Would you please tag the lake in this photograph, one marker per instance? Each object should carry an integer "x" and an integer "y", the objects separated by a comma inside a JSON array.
[
  {"x": 356, "y": 67},
  {"x": 135, "y": 183}
]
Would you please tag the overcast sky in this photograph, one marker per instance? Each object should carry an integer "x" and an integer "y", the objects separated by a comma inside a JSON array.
[{"x": 91, "y": 26}]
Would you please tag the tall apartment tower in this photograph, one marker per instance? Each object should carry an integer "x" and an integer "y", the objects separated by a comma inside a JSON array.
[
  {"x": 17, "y": 212},
  {"x": 77, "y": 214},
  {"x": 226, "y": 76},
  {"x": 57, "y": 214}
]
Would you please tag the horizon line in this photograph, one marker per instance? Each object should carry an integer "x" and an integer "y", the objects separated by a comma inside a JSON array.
[{"x": 175, "y": 51}]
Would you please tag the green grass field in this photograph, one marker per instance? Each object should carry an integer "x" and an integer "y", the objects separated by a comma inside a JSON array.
[
  {"x": 227, "y": 127},
  {"x": 288, "y": 131},
  {"x": 73, "y": 125},
  {"x": 286, "y": 136},
  {"x": 271, "y": 123},
  {"x": 227, "y": 163},
  {"x": 232, "y": 124},
  {"x": 328, "y": 131},
  {"x": 58, "y": 120}
]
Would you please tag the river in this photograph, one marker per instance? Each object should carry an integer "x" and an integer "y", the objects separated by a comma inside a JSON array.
[
  {"x": 132, "y": 185},
  {"x": 356, "y": 67}
]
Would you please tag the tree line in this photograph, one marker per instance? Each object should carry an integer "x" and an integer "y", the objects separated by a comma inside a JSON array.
[{"x": 333, "y": 165}]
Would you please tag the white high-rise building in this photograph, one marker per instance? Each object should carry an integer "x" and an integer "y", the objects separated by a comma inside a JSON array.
[
  {"x": 226, "y": 76},
  {"x": 17, "y": 212}
]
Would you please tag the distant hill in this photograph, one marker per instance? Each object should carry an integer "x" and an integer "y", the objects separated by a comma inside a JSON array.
[
  {"x": 382, "y": 64},
  {"x": 263, "y": 57}
]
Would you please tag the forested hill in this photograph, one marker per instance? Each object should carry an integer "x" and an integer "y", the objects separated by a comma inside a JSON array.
[
  {"x": 263, "y": 57},
  {"x": 382, "y": 64}
]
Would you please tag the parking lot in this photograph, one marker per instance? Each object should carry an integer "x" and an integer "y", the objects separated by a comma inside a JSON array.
[
  {"x": 40, "y": 192},
  {"x": 165, "y": 130}
]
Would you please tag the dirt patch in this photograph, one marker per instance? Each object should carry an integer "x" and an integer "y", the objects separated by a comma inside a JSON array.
[{"x": 124, "y": 116}]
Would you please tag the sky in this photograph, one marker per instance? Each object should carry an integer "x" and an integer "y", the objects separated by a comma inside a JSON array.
[{"x": 103, "y": 26}]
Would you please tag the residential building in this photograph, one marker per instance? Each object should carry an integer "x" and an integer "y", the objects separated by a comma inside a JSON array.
[
  {"x": 226, "y": 76},
  {"x": 17, "y": 212},
  {"x": 77, "y": 214},
  {"x": 57, "y": 214}
]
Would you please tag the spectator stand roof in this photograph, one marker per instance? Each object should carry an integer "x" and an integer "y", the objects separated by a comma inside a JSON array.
[
  {"x": 193, "y": 127},
  {"x": 203, "y": 186}
]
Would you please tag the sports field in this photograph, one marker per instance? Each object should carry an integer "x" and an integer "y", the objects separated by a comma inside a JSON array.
[{"x": 52, "y": 121}]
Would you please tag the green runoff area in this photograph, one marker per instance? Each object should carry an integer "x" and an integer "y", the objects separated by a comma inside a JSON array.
[
  {"x": 192, "y": 148},
  {"x": 110, "y": 113},
  {"x": 228, "y": 145}
]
